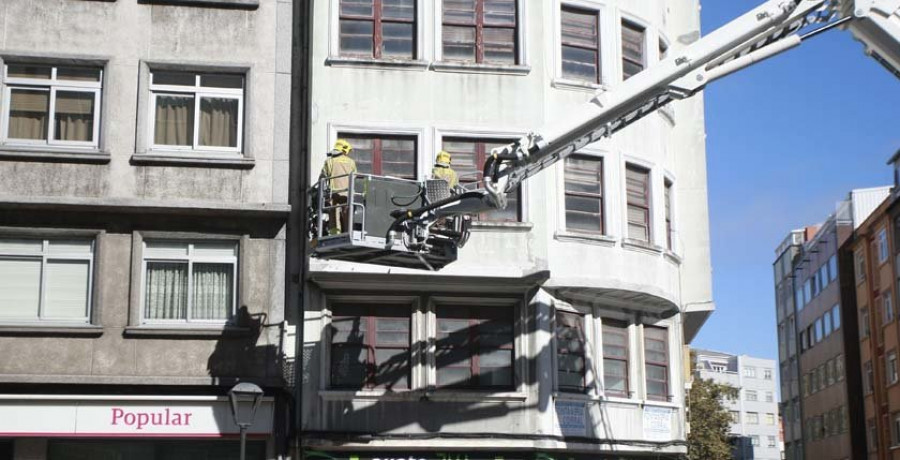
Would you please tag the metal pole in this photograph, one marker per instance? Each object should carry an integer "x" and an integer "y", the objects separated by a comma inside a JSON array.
[{"x": 243, "y": 441}]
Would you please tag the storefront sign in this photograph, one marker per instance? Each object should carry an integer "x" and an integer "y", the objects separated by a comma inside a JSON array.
[
  {"x": 658, "y": 423},
  {"x": 131, "y": 418},
  {"x": 571, "y": 417}
]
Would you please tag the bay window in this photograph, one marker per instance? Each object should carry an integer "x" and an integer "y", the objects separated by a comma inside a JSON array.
[
  {"x": 571, "y": 365},
  {"x": 370, "y": 346},
  {"x": 615, "y": 358},
  {"x": 197, "y": 111},
  {"x": 45, "y": 279},
  {"x": 186, "y": 282},
  {"x": 383, "y": 154},
  {"x": 52, "y": 105},
  {"x": 637, "y": 188},
  {"x": 474, "y": 347},
  {"x": 378, "y": 29},
  {"x": 584, "y": 194},
  {"x": 480, "y": 31}
]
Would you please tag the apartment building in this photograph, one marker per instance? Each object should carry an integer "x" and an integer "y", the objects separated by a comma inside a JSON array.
[
  {"x": 871, "y": 253},
  {"x": 755, "y": 428},
  {"x": 143, "y": 201},
  {"x": 817, "y": 339},
  {"x": 561, "y": 327}
]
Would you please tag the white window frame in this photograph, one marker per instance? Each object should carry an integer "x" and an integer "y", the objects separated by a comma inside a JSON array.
[
  {"x": 521, "y": 37},
  {"x": 752, "y": 418},
  {"x": 424, "y": 161},
  {"x": 190, "y": 259},
  {"x": 750, "y": 371},
  {"x": 44, "y": 256},
  {"x": 647, "y": 39},
  {"x": 198, "y": 92},
  {"x": 770, "y": 419},
  {"x": 593, "y": 336},
  {"x": 772, "y": 442},
  {"x": 883, "y": 251},
  {"x": 334, "y": 41},
  {"x": 607, "y": 47},
  {"x": 51, "y": 86}
]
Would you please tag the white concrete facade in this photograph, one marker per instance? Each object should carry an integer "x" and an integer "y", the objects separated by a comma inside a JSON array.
[{"x": 535, "y": 267}]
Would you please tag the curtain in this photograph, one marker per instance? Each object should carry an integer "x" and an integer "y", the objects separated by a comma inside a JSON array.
[
  {"x": 218, "y": 122},
  {"x": 212, "y": 296},
  {"x": 166, "y": 290},
  {"x": 74, "y": 116},
  {"x": 174, "y": 120},
  {"x": 28, "y": 114}
]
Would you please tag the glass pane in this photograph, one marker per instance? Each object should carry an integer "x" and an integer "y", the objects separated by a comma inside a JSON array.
[
  {"x": 21, "y": 246},
  {"x": 398, "y": 158},
  {"x": 657, "y": 389},
  {"x": 357, "y": 38},
  {"x": 584, "y": 175},
  {"x": 500, "y": 12},
  {"x": 218, "y": 122},
  {"x": 583, "y": 221},
  {"x": 580, "y": 64},
  {"x": 357, "y": 8},
  {"x": 499, "y": 45},
  {"x": 583, "y": 204},
  {"x": 399, "y": 9},
  {"x": 74, "y": 116},
  {"x": 67, "y": 289},
  {"x": 454, "y": 376},
  {"x": 459, "y": 43},
  {"x": 29, "y": 71},
  {"x": 452, "y": 357},
  {"x": 615, "y": 351},
  {"x": 496, "y": 358},
  {"x": 495, "y": 377},
  {"x": 348, "y": 329},
  {"x": 581, "y": 28},
  {"x": 222, "y": 81},
  {"x": 70, "y": 247},
  {"x": 637, "y": 186},
  {"x": 174, "y": 121},
  {"x": 78, "y": 73},
  {"x": 615, "y": 384},
  {"x": 630, "y": 69},
  {"x": 397, "y": 40},
  {"x": 392, "y": 331},
  {"x": 656, "y": 372},
  {"x": 655, "y": 356},
  {"x": 392, "y": 368},
  {"x": 570, "y": 363},
  {"x": 165, "y": 290},
  {"x": 363, "y": 152},
  {"x": 459, "y": 11},
  {"x": 20, "y": 283},
  {"x": 28, "y": 114},
  {"x": 570, "y": 380},
  {"x": 633, "y": 43},
  {"x": 615, "y": 368},
  {"x": 175, "y": 78},
  {"x": 570, "y": 346},
  {"x": 348, "y": 366},
  {"x": 213, "y": 291}
]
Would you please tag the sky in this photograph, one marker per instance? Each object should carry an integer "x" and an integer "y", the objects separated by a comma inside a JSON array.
[{"x": 786, "y": 140}]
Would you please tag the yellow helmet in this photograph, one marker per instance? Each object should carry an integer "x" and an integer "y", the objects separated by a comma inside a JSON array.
[
  {"x": 443, "y": 158},
  {"x": 343, "y": 146}
]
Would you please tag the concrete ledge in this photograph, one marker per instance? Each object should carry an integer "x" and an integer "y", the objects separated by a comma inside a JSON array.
[
  {"x": 237, "y": 4},
  {"x": 464, "y": 67},
  {"x": 53, "y": 155},
  {"x": 562, "y": 83},
  {"x": 641, "y": 246},
  {"x": 43, "y": 330},
  {"x": 588, "y": 238},
  {"x": 186, "y": 332},
  {"x": 396, "y": 64},
  {"x": 139, "y": 206},
  {"x": 502, "y": 226},
  {"x": 207, "y": 162},
  {"x": 142, "y": 380}
]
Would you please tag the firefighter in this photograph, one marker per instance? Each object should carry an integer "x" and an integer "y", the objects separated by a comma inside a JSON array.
[
  {"x": 442, "y": 169},
  {"x": 337, "y": 170}
]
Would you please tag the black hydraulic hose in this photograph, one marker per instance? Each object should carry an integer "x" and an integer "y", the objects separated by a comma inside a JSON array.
[{"x": 402, "y": 215}]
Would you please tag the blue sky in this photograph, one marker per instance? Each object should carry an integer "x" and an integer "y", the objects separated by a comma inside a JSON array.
[{"x": 786, "y": 139}]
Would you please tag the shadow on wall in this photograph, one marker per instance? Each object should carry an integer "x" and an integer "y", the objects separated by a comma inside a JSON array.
[{"x": 251, "y": 350}]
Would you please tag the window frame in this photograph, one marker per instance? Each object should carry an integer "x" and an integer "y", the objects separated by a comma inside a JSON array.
[
  {"x": 51, "y": 86},
  {"x": 44, "y": 256},
  {"x": 381, "y": 130},
  {"x": 626, "y": 21},
  {"x": 666, "y": 365},
  {"x": 479, "y": 36},
  {"x": 515, "y": 347},
  {"x": 668, "y": 191},
  {"x": 378, "y": 31},
  {"x": 883, "y": 250},
  {"x": 236, "y": 273},
  {"x": 586, "y": 386},
  {"x": 197, "y": 92},
  {"x": 604, "y": 205},
  {"x": 648, "y": 196},
  {"x": 378, "y": 151},
  {"x": 598, "y": 51},
  {"x": 891, "y": 370},
  {"x": 625, "y": 327}
]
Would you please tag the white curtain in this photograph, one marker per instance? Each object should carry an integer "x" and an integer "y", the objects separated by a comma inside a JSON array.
[
  {"x": 28, "y": 114},
  {"x": 166, "y": 290},
  {"x": 212, "y": 291},
  {"x": 218, "y": 122},
  {"x": 74, "y": 116},
  {"x": 174, "y": 120}
]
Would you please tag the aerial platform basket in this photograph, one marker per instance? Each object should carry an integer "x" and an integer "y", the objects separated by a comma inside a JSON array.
[{"x": 365, "y": 232}]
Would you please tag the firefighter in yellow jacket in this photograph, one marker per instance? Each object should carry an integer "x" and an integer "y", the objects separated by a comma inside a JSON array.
[
  {"x": 442, "y": 169},
  {"x": 337, "y": 170}
]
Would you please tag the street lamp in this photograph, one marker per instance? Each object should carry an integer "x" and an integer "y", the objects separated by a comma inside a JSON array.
[{"x": 244, "y": 392}]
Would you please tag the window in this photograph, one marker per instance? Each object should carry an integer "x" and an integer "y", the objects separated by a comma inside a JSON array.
[
  {"x": 823, "y": 276},
  {"x": 830, "y": 371},
  {"x": 584, "y": 194},
  {"x": 45, "y": 280},
  {"x": 379, "y": 29},
  {"x": 633, "y": 37},
  {"x": 826, "y": 324},
  {"x": 895, "y": 429},
  {"x": 370, "y": 346},
  {"x": 770, "y": 419},
  {"x": 570, "y": 348},
  {"x": 735, "y": 416},
  {"x": 836, "y": 317},
  {"x": 802, "y": 340},
  {"x": 771, "y": 441},
  {"x": 749, "y": 371},
  {"x": 767, "y": 374},
  {"x": 833, "y": 268},
  {"x": 814, "y": 379},
  {"x": 890, "y": 375},
  {"x": 663, "y": 50},
  {"x": 888, "y": 306},
  {"x": 864, "y": 322},
  {"x": 798, "y": 298},
  {"x": 656, "y": 355},
  {"x": 637, "y": 188},
  {"x": 474, "y": 347},
  {"x": 818, "y": 330},
  {"x": 820, "y": 377},
  {"x": 872, "y": 435},
  {"x": 580, "y": 44},
  {"x": 52, "y": 105},
  {"x": 754, "y": 441},
  {"x": 770, "y": 397},
  {"x": 868, "y": 377},
  {"x": 468, "y": 158},
  {"x": 753, "y": 418},
  {"x": 859, "y": 264},
  {"x": 383, "y": 155},
  {"x": 807, "y": 291},
  {"x": 615, "y": 358},
  {"x": 189, "y": 281},
  {"x": 668, "y": 197},
  {"x": 882, "y": 246},
  {"x": 197, "y": 111},
  {"x": 751, "y": 395},
  {"x": 806, "y": 385},
  {"x": 839, "y": 368},
  {"x": 482, "y": 31}
]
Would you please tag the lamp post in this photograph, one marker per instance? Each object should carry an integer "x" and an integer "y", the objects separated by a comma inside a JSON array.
[{"x": 244, "y": 392}]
